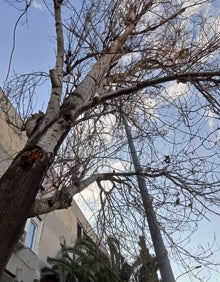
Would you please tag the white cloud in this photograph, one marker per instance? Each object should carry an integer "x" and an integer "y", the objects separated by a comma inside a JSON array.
[
  {"x": 120, "y": 166},
  {"x": 35, "y": 4},
  {"x": 211, "y": 119},
  {"x": 176, "y": 90},
  {"x": 89, "y": 201}
]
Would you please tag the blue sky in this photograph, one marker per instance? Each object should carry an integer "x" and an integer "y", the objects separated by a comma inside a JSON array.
[
  {"x": 34, "y": 41},
  {"x": 34, "y": 51},
  {"x": 34, "y": 44}
]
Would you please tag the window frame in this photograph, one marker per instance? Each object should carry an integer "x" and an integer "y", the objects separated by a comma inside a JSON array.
[
  {"x": 80, "y": 230},
  {"x": 34, "y": 244}
]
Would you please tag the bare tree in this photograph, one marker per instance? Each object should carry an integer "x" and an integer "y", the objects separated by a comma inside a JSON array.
[{"x": 159, "y": 58}]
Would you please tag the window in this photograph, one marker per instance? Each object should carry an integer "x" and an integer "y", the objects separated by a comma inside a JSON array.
[
  {"x": 33, "y": 230},
  {"x": 7, "y": 277},
  {"x": 31, "y": 234},
  {"x": 80, "y": 231}
]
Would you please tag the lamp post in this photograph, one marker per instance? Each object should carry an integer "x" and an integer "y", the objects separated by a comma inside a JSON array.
[{"x": 159, "y": 247}]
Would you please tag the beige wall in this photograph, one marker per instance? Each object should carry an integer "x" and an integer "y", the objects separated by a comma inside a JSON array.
[
  {"x": 25, "y": 265},
  {"x": 12, "y": 139},
  {"x": 56, "y": 226}
]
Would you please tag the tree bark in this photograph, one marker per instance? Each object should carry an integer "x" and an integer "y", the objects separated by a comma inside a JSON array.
[{"x": 19, "y": 186}]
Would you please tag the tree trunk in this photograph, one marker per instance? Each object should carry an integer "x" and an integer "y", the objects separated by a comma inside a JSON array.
[
  {"x": 159, "y": 247},
  {"x": 23, "y": 178}
]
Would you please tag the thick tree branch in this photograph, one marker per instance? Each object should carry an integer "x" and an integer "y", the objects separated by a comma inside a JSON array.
[
  {"x": 186, "y": 77},
  {"x": 46, "y": 205},
  {"x": 87, "y": 88},
  {"x": 64, "y": 197},
  {"x": 56, "y": 75}
]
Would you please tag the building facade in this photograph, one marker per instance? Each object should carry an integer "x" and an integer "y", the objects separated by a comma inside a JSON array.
[{"x": 44, "y": 234}]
